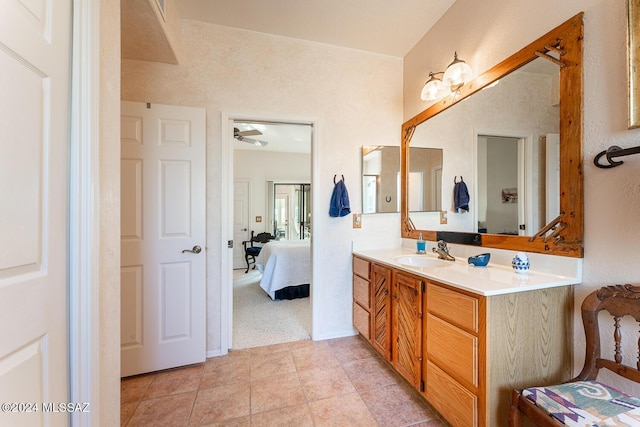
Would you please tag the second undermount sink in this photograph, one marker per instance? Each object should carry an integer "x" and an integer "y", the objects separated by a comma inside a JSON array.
[{"x": 422, "y": 261}]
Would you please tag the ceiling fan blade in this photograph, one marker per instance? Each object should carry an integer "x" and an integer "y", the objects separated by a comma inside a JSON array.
[
  {"x": 251, "y": 141},
  {"x": 250, "y": 132}
]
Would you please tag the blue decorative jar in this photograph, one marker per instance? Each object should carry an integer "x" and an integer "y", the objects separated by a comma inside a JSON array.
[{"x": 520, "y": 263}]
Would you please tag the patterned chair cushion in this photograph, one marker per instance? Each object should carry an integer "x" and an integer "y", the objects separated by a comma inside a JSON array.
[{"x": 586, "y": 404}]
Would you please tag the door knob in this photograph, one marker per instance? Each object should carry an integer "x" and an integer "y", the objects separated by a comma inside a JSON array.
[{"x": 195, "y": 250}]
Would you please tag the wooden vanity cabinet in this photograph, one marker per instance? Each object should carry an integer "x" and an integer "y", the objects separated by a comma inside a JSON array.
[
  {"x": 406, "y": 330},
  {"x": 381, "y": 309},
  {"x": 476, "y": 349},
  {"x": 463, "y": 351},
  {"x": 362, "y": 296}
]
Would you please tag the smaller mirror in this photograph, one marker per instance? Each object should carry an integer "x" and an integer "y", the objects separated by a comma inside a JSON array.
[{"x": 381, "y": 179}]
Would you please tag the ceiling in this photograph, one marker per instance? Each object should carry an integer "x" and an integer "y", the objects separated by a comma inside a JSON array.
[
  {"x": 282, "y": 137},
  {"x": 378, "y": 26},
  {"x": 381, "y": 26}
]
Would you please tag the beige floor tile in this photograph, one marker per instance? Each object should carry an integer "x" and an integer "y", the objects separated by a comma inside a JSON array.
[
  {"x": 269, "y": 349},
  {"x": 236, "y": 422},
  {"x": 164, "y": 411},
  {"x": 370, "y": 373},
  {"x": 345, "y": 410},
  {"x": 308, "y": 344},
  {"x": 321, "y": 383},
  {"x": 133, "y": 389},
  {"x": 351, "y": 348},
  {"x": 268, "y": 365},
  {"x": 175, "y": 381},
  {"x": 310, "y": 358},
  {"x": 396, "y": 405},
  {"x": 276, "y": 392},
  {"x": 224, "y": 403},
  {"x": 227, "y": 371},
  {"x": 298, "y": 416},
  {"x": 126, "y": 411}
]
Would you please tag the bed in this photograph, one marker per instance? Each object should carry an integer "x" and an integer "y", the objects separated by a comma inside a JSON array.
[{"x": 286, "y": 268}]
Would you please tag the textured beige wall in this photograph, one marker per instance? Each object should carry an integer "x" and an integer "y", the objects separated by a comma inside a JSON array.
[
  {"x": 354, "y": 98},
  {"x": 109, "y": 214},
  {"x": 486, "y": 32}
]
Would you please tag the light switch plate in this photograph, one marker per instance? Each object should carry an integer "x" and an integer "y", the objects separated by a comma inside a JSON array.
[
  {"x": 443, "y": 217},
  {"x": 357, "y": 220},
  {"x": 258, "y": 219}
]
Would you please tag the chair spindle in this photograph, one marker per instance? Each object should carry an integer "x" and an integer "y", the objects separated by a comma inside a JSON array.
[{"x": 618, "y": 336}]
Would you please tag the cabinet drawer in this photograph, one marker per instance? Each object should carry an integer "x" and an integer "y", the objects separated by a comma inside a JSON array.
[
  {"x": 457, "y": 308},
  {"x": 361, "y": 320},
  {"x": 455, "y": 350},
  {"x": 458, "y": 405},
  {"x": 361, "y": 267},
  {"x": 361, "y": 291}
]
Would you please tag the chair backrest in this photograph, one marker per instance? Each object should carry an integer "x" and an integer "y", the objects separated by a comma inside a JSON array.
[
  {"x": 619, "y": 301},
  {"x": 263, "y": 237}
]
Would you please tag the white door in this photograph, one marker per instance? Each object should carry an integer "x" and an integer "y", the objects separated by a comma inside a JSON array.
[
  {"x": 163, "y": 294},
  {"x": 35, "y": 47},
  {"x": 240, "y": 221}
]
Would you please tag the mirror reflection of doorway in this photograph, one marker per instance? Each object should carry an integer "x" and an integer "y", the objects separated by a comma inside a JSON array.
[{"x": 501, "y": 185}]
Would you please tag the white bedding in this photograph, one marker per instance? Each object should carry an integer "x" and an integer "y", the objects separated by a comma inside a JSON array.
[{"x": 284, "y": 263}]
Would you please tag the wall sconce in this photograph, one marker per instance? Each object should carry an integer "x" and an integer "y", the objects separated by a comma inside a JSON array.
[{"x": 456, "y": 74}]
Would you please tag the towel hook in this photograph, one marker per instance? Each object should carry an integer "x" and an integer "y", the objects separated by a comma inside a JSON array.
[
  {"x": 456, "y": 177},
  {"x": 335, "y": 176}
]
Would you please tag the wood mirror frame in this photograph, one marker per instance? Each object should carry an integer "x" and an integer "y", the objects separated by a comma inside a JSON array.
[{"x": 564, "y": 235}]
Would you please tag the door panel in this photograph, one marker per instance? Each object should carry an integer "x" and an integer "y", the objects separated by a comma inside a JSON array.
[
  {"x": 240, "y": 220},
  {"x": 163, "y": 218},
  {"x": 35, "y": 40}
]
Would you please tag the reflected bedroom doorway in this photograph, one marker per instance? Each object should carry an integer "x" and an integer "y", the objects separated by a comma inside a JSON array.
[{"x": 272, "y": 181}]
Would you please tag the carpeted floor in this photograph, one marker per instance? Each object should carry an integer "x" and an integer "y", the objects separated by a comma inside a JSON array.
[{"x": 260, "y": 321}]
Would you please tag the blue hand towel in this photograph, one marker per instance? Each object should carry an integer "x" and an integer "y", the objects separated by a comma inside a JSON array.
[
  {"x": 339, "y": 200},
  {"x": 461, "y": 196}
]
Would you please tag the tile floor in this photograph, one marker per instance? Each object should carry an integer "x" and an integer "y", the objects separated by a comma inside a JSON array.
[{"x": 340, "y": 382}]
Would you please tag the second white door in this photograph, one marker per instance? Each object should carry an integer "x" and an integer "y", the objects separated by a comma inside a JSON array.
[{"x": 163, "y": 214}]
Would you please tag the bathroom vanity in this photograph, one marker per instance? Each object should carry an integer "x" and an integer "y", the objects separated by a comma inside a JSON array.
[{"x": 464, "y": 336}]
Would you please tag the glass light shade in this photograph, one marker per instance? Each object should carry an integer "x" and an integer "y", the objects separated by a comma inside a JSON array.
[
  {"x": 456, "y": 74},
  {"x": 433, "y": 89}
]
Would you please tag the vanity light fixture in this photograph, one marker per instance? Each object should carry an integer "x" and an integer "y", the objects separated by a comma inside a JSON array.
[{"x": 456, "y": 74}]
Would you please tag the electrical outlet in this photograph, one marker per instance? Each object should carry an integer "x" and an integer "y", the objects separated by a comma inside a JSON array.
[
  {"x": 258, "y": 219},
  {"x": 443, "y": 217}
]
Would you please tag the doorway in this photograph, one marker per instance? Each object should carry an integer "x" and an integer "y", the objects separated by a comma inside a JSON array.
[{"x": 273, "y": 158}]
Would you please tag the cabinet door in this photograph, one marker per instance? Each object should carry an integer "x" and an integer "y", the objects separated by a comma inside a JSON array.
[
  {"x": 407, "y": 327},
  {"x": 381, "y": 310}
]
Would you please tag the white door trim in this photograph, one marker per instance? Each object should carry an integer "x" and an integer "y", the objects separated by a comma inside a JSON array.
[
  {"x": 84, "y": 248},
  {"x": 226, "y": 215}
]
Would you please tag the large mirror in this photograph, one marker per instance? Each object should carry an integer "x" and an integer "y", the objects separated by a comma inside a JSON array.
[
  {"x": 381, "y": 179},
  {"x": 514, "y": 135}
]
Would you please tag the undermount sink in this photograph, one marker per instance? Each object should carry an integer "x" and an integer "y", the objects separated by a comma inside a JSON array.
[{"x": 422, "y": 261}]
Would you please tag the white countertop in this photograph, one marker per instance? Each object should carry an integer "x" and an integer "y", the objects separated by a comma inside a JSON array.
[{"x": 494, "y": 279}]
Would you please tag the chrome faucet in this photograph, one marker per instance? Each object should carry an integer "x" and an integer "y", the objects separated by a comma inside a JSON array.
[{"x": 443, "y": 251}]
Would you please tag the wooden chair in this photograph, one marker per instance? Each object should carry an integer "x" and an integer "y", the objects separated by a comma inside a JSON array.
[
  {"x": 582, "y": 400},
  {"x": 251, "y": 250}
]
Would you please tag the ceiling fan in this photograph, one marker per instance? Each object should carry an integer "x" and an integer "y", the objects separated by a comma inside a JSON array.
[{"x": 241, "y": 136}]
